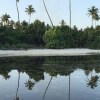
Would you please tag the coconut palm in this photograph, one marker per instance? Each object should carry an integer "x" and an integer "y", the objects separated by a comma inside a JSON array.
[
  {"x": 93, "y": 12},
  {"x": 29, "y": 84},
  {"x": 30, "y": 10},
  {"x": 47, "y": 12},
  {"x": 17, "y": 1},
  {"x": 93, "y": 82},
  {"x": 5, "y": 19}
]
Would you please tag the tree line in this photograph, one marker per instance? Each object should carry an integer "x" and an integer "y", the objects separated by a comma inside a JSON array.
[{"x": 24, "y": 35}]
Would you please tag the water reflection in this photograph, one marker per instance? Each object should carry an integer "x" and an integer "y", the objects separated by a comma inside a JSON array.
[
  {"x": 50, "y": 78},
  {"x": 29, "y": 84},
  {"x": 92, "y": 82}
]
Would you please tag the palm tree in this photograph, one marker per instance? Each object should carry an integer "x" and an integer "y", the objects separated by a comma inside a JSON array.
[
  {"x": 29, "y": 84},
  {"x": 70, "y": 12},
  {"x": 47, "y": 88},
  {"x": 47, "y": 12},
  {"x": 93, "y": 12},
  {"x": 30, "y": 10},
  {"x": 93, "y": 82},
  {"x": 5, "y": 19},
  {"x": 17, "y": 1}
]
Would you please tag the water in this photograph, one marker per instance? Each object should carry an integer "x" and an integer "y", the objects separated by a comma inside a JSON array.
[{"x": 50, "y": 78}]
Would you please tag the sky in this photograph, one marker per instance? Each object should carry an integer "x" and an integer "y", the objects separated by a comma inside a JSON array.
[{"x": 58, "y": 10}]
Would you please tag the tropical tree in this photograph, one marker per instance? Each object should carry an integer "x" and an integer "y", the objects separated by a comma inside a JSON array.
[
  {"x": 5, "y": 19},
  {"x": 93, "y": 12},
  {"x": 30, "y": 10},
  {"x": 93, "y": 82},
  {"x": 47, "y": 12},
  {"x": 29, "y": 84},
  {"x": 17, "y": 1},
  {"x": 11, "y": 23},
  {"x": 62, "y": 23}
]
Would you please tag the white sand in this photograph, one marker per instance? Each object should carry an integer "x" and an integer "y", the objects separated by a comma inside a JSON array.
[{"x": 49, "y": 52}]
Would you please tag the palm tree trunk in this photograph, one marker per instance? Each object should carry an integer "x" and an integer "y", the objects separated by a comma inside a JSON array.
[
  {"x": 17, "y": 11},
  {"x": 69, "y": 88},
  {"x": 92, "y": 22},
  {"x": 18, "y": 85},
  {"x": 47, "y": 88},
  {"x": 70, "y": 12},
  {"x": 48, "y": 13},
  {"x": 29, "y": 18},
  {"x": 95, "y": 24}
]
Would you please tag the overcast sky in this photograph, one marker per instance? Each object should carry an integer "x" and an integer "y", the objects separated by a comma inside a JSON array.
[{"x": 58, "y": 10}]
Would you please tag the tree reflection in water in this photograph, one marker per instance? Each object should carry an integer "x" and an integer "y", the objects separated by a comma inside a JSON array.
[
  {"x": 29, "y": 84},
  {"x": 93, "y": 81},
  {"x": 47, "y": 88},
  {"x": 35, "y": 67}
]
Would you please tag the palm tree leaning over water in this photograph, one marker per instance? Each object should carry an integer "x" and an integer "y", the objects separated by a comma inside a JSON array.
[
  {"x": 93, "y": 12},
  {"x": 17, "y": 1},
  {"x": 47, "y": 12},
  {"x": 30, "y": 10}
]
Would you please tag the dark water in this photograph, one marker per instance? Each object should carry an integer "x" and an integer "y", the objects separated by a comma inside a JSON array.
[{"x": 50, "y": 78}]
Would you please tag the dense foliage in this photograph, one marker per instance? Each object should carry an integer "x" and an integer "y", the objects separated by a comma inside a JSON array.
[
  {"x": 22, "y": 35},
  {"x": 64, "y": 37},
  {"x": 38, "y": 35}
]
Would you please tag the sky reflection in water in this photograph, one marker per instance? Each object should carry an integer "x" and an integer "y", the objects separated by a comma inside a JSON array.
[{"x": 50, "y": 78}]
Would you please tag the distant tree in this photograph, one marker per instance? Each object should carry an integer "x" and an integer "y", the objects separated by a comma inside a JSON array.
[
  {"x": 24, "y": 25},
  {"x": 93, "y": 12},
  {"x": 11, "y": 23},
  {"x": 39, "y": 29},
  {"x": 17, "y": 1},
  {"x": 47, "y": 12},
  {"x": 5, "y": 19},
  {"x": 62, "y": 23},
  {"x": 30, "y": 10},
  {"x": 17, "y": 25}
]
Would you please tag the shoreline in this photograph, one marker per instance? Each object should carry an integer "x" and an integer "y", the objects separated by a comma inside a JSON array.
[{"x": 49, "y": 52}]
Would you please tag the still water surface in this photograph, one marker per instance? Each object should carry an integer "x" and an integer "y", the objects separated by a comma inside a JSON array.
[{"x": 50, "y": 78}]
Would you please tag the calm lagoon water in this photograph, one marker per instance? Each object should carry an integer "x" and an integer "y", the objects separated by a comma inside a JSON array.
[{"x": 50, "y": 78}]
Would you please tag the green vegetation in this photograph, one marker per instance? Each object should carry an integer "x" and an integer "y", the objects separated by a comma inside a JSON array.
[
  {"x": 24, "y": 35},
  {"x": 61, "y": 37},
  {"x": 38, "y": 35}
]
